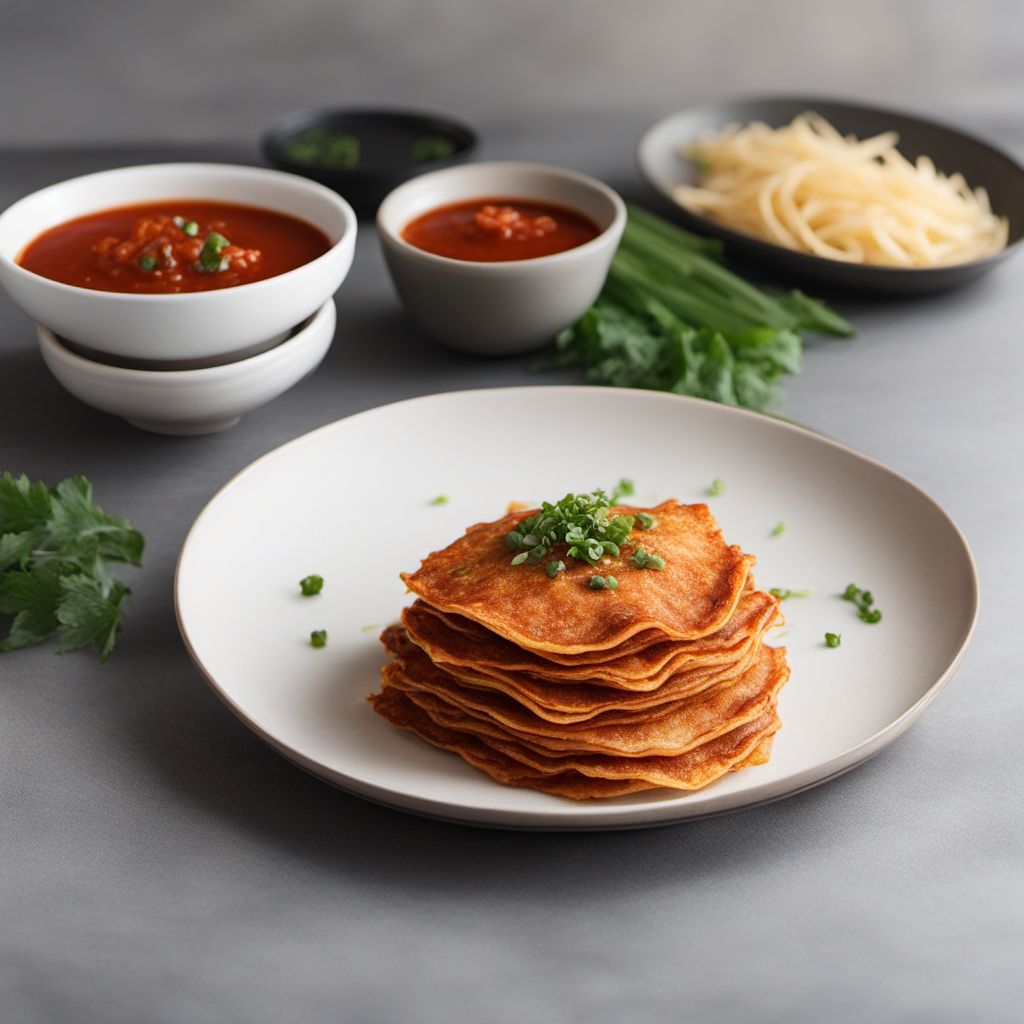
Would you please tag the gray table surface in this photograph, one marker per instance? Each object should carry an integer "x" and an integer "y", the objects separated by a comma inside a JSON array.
[{"x": 159, "y": 863}]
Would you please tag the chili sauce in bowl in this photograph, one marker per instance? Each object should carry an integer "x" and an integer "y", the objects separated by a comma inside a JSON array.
[{"x": 496, "y": 230}]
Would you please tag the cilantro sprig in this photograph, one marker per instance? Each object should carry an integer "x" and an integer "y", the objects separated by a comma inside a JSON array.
[
  {"x": 584, "y": 522},
  {"x": 56, "y": 552}
]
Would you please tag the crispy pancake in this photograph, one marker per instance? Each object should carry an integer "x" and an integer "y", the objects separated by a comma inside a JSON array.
[
  {"x": 667, "y": 731},
  {"x": 574, "y": 702},
  {"x": 693, "y": 596},
  {"x": 588, "y": 775},
  {"x": 457, "y": 642}
]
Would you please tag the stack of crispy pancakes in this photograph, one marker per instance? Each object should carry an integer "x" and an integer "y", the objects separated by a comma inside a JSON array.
[{"x": 551, "y": 685}]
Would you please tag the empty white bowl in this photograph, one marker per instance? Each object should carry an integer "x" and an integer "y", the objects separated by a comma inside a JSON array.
[
  {"x": 506, "y": 307},
  {"x": 192, "y": 401},
  {"x": 225, "y": 323}
]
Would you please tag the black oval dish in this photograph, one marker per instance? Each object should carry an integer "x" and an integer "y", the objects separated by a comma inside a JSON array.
[
  {"x": 980, "y": 163},
  {"x": 386, "y": 142}
]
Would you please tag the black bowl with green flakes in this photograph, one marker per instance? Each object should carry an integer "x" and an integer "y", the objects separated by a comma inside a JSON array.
[{"x": 364, "y": 154}]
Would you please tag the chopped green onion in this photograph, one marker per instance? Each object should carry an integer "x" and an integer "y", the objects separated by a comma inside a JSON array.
[
  {"x": 864, "y": 600},
  {"x": 318, "y": 638},
  {"x": 554, "y": 568},
  {"x": 191, "y": 228},
  {"x": 147, "y": 261},
  {"x": 210, "y": 261},
  {"x": 311, "y": 585},
  {"x": 597, "y": 583},
  {"x": 432, "y": 147},
  {"x": 441, "y": 499},
  {"x": 833, "y": 639},
  {"x": 783, "y": 594},
  {"x": 369, "y": 627},
  {"x": 460, "y": 570},
  {"x": 325, "y": 148},
  {"x": 715, "y": 488},
  {"x": 778, "y": 529}
]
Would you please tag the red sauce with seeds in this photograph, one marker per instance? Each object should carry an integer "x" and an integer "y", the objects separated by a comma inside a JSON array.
[
  {"x": 495, "y": 230},
  {"x": 176, "y": 245}
]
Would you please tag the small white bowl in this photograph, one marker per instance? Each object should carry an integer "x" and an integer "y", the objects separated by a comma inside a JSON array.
[
  {"x": 220, "y": 324},
  {"x": 191, "y": 401},
  {"x": 506, "y": 307}
]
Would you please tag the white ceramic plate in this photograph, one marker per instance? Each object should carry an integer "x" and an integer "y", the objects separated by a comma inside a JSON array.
[{"x": 351, "y": 502}]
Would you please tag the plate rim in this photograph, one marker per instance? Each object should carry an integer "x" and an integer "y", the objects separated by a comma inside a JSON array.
[
  {"x": 588, "y": 816},
  {"x": 891, "y": 274}
]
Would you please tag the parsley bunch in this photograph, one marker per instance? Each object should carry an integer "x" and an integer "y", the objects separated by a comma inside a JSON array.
[
  {"x": 582, "y": 521},
  {"x": 56, "y": 549}
]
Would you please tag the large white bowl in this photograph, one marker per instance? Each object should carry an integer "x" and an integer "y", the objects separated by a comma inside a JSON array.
[
  {"x": 506, "y": 307},
  {"x": 191, "y": 401},
  {"x": 220, "y": 324}
]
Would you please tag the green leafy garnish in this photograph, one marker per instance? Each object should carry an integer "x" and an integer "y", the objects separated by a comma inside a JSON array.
[
  {"x": 441, "y": 499},
  {"x": 611, "y": 582},
  {"x": 311, "y": 585},
  {"x": 623, "y": 489},
  {"x": 581, "y": 521},
  {"x": 210, "y": 260},
  {"x": 369, "y": 627},
  {"x": 778, "y": 529},
  {"x": 672, "y": 318},
  {"x": 325, "y": 148},
  {"x": 833, "y": 639},
  {"x": 191, "y": 228},
  {"x": 554, "y": 568},
  {"x": 432, "y": 147},
  {"x": 784, "y": 595},
  {"x": 642, "y": 559},
  {"x": 598, "y": 583},
  {"x": 715, "y": 488},
  {"x": 147, "y": 261},
  {"x": 56, "y": 552},
  {"x": 318, "y": 638},
  {"x": 864, "y": 600}
]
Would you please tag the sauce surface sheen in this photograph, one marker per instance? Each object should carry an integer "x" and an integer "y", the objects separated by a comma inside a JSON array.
[{"x": 174, "y": 245}]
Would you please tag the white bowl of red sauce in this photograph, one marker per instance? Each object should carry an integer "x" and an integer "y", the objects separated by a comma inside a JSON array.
[
  {"x": 176, "y": 262},
  {"x": 497, "y": 258}
]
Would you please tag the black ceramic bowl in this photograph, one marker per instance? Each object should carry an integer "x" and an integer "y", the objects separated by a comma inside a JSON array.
[
  {"x": 387, "y": 140},
  {"x": 951, "y": 150}
]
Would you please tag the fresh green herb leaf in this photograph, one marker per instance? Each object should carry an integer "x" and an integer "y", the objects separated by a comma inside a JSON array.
[
  {"x": 441, "y": 499},
  {"x": 597, "y": 583},
  {"x": 191, "y": 228},
  {"x": 645, "y": 521},
  {"x": 521, "y": 557},
  {"x": 778, "y": 529},
  {"x": 640, "y": 558},
  {"x": 318, "y": 638},
  {"x": 672, "y": 318},
  {"x": 210, "y": 260},
  {"x": 311, "y": 585},
  {"x": 56, "y": 551},
  {"x": 784, "y": 595},
  {"x": 325, "y": 148},
  {"x": 833, "y": 639},
  {"x": 612, "y": 583},
  {"x": 432, "y": 147},
  {"x": 554, "y": 568},
  {"x": 147, "y": 261},
  {"x": 655, "y": 562},
  {"x": 623, "y": 489},
  {"x": 715, "y": 488},
  {"x": 871, "y": 615}
]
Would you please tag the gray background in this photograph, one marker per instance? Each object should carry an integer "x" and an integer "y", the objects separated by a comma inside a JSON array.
[{"x": 158, "y": 863}]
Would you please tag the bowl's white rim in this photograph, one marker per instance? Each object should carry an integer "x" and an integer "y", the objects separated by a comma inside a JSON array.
[
  {"x": 129, "y": 375},
  {"x": 600, "y": 816},
  {"x": 347, "y": 239},
  {"x": 584, "y": 181}
]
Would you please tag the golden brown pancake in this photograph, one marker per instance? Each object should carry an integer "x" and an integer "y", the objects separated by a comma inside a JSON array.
[
  {"x": 576, "y": 702},
  {"x": 516, "y": 765},
  {"x": 667, "y": 731},
  {"x": 457, "y": 642},
  {"x": 693, "y": 596}
]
